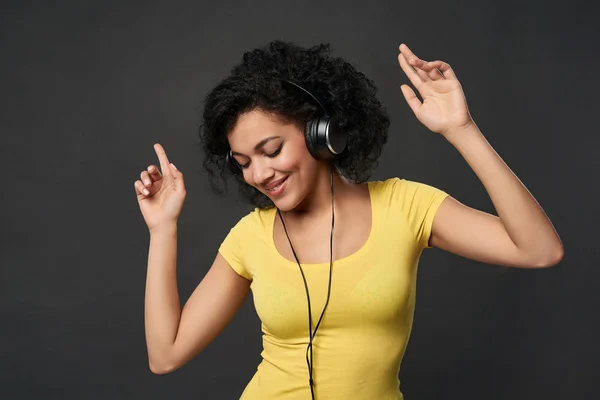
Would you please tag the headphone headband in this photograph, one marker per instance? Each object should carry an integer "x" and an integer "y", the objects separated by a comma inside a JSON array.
[
  {"x": 308, "y": 93},
  {"x": 324, "y": 139}
]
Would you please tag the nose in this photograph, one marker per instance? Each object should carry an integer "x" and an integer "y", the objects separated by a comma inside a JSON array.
[{"x": 262, "y": 171}]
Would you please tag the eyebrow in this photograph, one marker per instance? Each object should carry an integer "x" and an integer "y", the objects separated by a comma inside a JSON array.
[{"x": 259, "y": 144}]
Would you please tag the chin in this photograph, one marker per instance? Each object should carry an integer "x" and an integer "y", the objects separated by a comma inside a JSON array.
[
  {"x": 284, "y": 200},
  {"x": 286, "y": 203}
]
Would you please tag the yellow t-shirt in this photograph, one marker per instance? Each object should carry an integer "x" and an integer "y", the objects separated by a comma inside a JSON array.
[{"x": 361, "y": 340}]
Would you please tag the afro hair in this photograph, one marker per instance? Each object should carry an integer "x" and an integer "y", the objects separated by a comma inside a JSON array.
[{"x": 256, "y": 84}]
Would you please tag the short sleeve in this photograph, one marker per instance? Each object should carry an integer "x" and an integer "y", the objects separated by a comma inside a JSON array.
[
  {"x": 419, "y": 203},
  {"x": 232, "y": 250}
]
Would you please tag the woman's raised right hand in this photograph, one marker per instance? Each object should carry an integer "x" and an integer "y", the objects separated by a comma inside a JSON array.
[{"x": 160, "y": 196}]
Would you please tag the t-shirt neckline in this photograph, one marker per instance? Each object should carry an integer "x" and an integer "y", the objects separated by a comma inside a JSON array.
[{"x": 343, "y": 260}]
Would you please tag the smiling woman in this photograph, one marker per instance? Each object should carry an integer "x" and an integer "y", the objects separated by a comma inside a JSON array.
[
  {"x": 325, "y": 248},
  {"x": 274, "y": 159},
  {"x": 260, "y": 83}
]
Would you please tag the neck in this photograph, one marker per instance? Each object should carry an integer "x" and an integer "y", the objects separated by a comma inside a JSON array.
[{"x": 318, "y": 201}]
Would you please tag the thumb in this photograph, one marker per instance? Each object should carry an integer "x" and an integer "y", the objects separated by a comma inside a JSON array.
[
  {"x": 411, "y": 98},
  {"x": 177, "y": 177}
]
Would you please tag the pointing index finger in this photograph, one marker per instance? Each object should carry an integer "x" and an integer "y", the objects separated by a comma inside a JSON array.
[{"x": 162, "y": 157}]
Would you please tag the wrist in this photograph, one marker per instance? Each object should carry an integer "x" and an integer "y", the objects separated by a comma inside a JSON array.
[
  {"x": 164, "y": 228},
  {"x": 464, "y": 132}
]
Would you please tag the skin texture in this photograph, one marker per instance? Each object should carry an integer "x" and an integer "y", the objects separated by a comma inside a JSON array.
[
  {"x": 284, "y": 156},
  {"x": 520, "y": 235},
  {"x": 306, "y": 202}
]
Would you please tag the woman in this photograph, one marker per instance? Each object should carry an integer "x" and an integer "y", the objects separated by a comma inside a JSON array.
[{"x": 331, "y": 257}]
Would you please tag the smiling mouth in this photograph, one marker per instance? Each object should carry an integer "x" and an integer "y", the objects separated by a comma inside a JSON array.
[{"x": 276, "y": 188}]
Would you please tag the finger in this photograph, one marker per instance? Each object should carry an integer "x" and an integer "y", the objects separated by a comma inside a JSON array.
[
  {"x": 411, "y": 58},
  {"x": 162, "y": 157},
  {"x": 435, "y": 74},
  {"x": 430, "y": 69},
  {"x": 414, "y": 78},
  {"x": 141, "y": 189},
  {"x": 418, "y": 65},
  {"x": 145, "y": 177},
  {"x": 411, "y": 98},
  {"x": 154, "y": 173},
  {"x": 444, "y": 68},
  {"x": 177, "y": 178},
  {"x": 422, "y": 71}
]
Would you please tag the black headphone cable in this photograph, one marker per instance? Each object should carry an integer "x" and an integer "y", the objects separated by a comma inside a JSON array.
[{"x": 309, "y": 349}]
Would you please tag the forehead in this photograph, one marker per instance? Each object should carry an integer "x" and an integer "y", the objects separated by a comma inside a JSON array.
[{"x": 256, "y": 125}]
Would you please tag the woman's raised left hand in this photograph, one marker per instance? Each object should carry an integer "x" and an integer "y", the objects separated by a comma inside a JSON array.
[{"x": 444, "y": 107}]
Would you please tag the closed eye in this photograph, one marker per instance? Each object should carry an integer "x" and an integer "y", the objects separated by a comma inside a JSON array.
[
  {"x": 270, "y": 155},
  {"x": 273, "y": 154}
]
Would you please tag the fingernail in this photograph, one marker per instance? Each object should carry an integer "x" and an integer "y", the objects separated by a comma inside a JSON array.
[
  {"x": 147, "y": 181},
  {"x": 150, "y": 168},
  {"x": 145, "y": 191},
  {"x": 174, "y": 167}
]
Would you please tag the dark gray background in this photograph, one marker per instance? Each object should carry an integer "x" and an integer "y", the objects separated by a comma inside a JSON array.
[{"x": 88, "y": 87}]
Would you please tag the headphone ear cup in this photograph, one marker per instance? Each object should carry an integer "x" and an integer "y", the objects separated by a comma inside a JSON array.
[
  {"x": 324, "y": 139},
  {"x": 233, "y": 165},
  {"x": 334, "y": 138},
  {"x": 310, "y": 135}
]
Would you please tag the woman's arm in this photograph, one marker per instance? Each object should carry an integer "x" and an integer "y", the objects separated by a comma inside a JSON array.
[
  {"x": 520, "y": 236},
  {"x": 174, "y": 336}
]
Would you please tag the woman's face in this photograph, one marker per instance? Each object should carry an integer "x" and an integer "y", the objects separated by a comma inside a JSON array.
[{"x": 274, "y": 158}]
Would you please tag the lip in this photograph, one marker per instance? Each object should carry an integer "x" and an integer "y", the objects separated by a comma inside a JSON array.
[
  {"x": 273, "y": 184},
  {"x": 279, "y": 191}
]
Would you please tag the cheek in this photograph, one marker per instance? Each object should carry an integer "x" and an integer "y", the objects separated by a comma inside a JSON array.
[
  {"x": 297, "y": 157},
  {"x": 296, "y": 160},
  {"x": 290, "y": 162}
]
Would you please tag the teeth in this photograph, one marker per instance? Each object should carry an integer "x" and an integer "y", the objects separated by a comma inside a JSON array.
[{"x": 275, "y": 188}]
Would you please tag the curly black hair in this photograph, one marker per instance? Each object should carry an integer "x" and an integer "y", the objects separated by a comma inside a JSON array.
[{"x": 255, "y": 84}]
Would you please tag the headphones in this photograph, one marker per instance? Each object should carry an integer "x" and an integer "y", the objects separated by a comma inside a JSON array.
[{"x": 324, "y": 138}]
